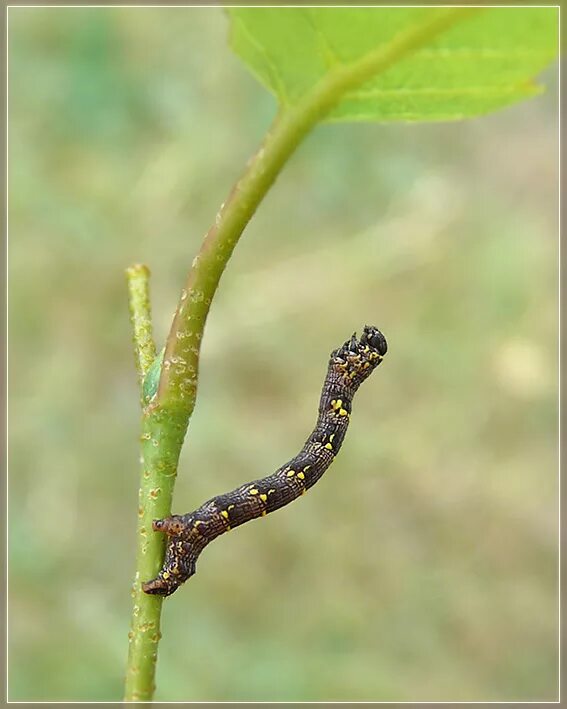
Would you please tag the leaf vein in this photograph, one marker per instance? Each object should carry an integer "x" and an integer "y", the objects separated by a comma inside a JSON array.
[
  {"x": 447, "y": 92},
  {"x": 330, "y": 54},
  {"x": 482, "y": 53},
  {"x": 279, "y": 87}
]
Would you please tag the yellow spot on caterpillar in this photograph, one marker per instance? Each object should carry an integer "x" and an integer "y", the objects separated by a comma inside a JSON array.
[
  {"x": 253, "y": 491},
  {"x": 328, "y": 446},
  {"x": 331, "y": 437},
  {"x": 343, "y": 412},
  {"x": 263, "y": 497},
  {"x": 264, "y": 513},
  {"x": 301, "y": 476},
  {"x": 366, "y": 365},
  {"x": 197, "y": 522},
  {"x": 270, "y": 491},
  {"x": 165, "y": 575},
  {"x": 306, "y": 468},
  {"x": 230, "y": 507},
  {"x": 336, "y": 404},
  {"x": 290, "y": 473},
  {"x": 224, "y": 513}
]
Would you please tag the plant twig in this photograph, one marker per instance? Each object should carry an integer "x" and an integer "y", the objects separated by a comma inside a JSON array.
[
  {"x": 144, "y": 632},
  {"x": 138, "y": 279},
  {"x": 161, "y": 439}
]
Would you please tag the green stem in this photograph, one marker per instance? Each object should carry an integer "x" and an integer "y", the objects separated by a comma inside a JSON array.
[
  {"x": 138, "y": 279},
  {"x": 159, "y": 466},
  {"x": 162, "y": 439},
  {"x": 166, "y": 417}
]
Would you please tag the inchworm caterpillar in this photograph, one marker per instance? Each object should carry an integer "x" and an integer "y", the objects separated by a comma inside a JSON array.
[{"x": 189, "y": 534}]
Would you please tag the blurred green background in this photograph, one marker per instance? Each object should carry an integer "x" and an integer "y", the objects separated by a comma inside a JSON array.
[{"x": 423, "y": 566}]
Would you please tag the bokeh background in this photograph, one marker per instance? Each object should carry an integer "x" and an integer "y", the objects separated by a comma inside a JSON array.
[{"x": 423, "y": 566}]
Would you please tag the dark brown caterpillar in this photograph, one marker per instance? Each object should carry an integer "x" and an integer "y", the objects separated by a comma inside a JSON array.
[{"x": 189, "y": 534}]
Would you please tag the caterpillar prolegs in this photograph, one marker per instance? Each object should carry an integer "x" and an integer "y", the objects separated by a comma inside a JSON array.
[{"x": 189, "y": 534}]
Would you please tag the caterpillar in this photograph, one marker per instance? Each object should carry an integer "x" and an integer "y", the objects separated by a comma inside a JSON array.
[{"x": 189, "y": 534}]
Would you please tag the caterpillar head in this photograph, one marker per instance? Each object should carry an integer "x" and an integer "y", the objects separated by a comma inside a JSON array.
[
  {"x": 372, "y": 337},
  {"x": 358, "y": 358}
]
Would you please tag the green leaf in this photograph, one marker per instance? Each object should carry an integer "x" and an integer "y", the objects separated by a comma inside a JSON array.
[
  {"x": 480, "y": 63},
  {"x": 151, "y": 380}
]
